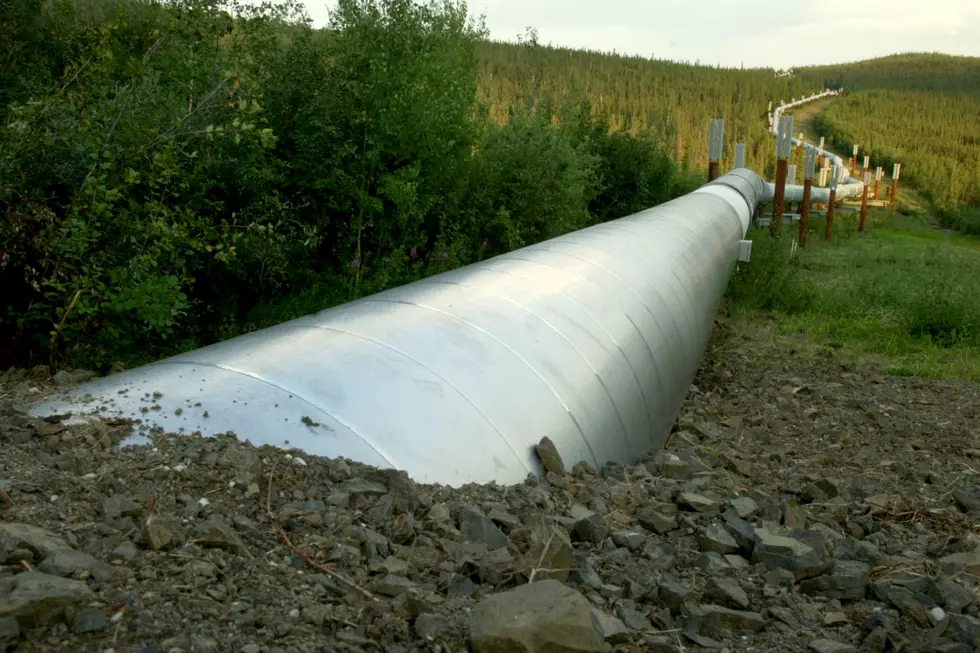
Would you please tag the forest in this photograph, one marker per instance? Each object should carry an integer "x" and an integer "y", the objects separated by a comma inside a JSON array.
[
  {"x": 174, "y": 174},
  {"x": 922, "y": 110}
]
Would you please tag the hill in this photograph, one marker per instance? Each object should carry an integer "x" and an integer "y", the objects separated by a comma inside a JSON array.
[
  {"x": 673, "y": 100},
  {"x": 922, "y": 110}
]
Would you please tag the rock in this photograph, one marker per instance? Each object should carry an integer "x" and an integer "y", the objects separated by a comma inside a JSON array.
[
  {"x": 589, "y": 529},
  {"x": 967, "y": 498},
  {"x": 70, "y": 563},
  {"x": 712, "y": 563},
  {"x": 741, "y": 530},
  {"x": 359, "y": 487},
  {"x": 631, "y": 617},
  {"x": 118, "y": 506},
  {"x": 583, "y": 573},
  {"x": 697, "y": 502},
  {"x": 35, "y": 597},
  {"x": 674, "y": 467},
  {"x": 968, "y": 562},
  {"x": 673, "y": 593},
  {"x": 38, "y": 541},
  {"x": 727, "y": 592},
  {"x": 611, "y": 629},
  {"x": 794, "y": 515},
  {"x": 392, "y": 585},
  {"x": 429, "y": 625},
  {"x": 162, "y": 533},
  {"x": 545, "y": 617},
  {"x": 216, "y": 533},
  {"x": 126, "y": 551},
  {"x": 549, "y": 456},
  {"x": 846, "y": 581},
  {"x": 781, "y": 578},
  {"x": 717, "y": 539},
  {"x": 9, "y": 633},
  {"x": 659, "y": 644},
  {"x": 788, "y": 551},
  {"x": 714, "y": 618},
  {"x": 495, "y": 566},
  {"x": 830, "y": 646},
  {"x": 951, "y": 595},
  {"x": 657, "y": 522},
  {"x": 477, "y": 528},
  {"x": 875, "y": 642},
  {"x": 89, "y": 620},
  {"x": 835, "y": 619},
  {"x": 829, "y": 486},
  {"x": 812, "y": 494},
  {"x": 632, "y": 540},
  {"x": 744, "y": 507}
]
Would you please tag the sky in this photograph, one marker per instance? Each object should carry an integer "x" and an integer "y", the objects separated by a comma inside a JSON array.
[{"x": 750, "y": 33}]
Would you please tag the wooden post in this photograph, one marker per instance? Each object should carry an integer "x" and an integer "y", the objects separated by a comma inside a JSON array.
[
  {"x": 809, "y": 165},
  {"x": 896, "y": 170},
  {"x": 864, "y": 201},
  {"x": 834, "y": 174},
  {"x": 784, "y": 146},
  {"x": 878, "y": 174}
]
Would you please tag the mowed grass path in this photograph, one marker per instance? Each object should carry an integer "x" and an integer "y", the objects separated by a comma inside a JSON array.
[{"x": 901, "y": 298}]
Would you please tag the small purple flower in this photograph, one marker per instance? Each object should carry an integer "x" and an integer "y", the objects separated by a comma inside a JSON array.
[
  {"x": 483, "y": 245},
  {"x": 414, "y": 252},
  {"x": 443, "y": 256},
  {"x": 356, "y": 263}
]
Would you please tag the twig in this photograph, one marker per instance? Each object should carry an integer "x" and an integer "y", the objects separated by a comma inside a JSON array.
[
  {"x": 302, "y": 554},
  {"x": 544, "y": 552}
]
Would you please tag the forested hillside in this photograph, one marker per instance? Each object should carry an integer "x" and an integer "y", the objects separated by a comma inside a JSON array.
[
  {"x": 674, "y": 101},
  {"x": 176, "y": 173},
  {"x": 921, "y": 110}
]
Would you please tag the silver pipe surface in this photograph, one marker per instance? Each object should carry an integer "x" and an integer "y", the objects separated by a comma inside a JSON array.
[{"x": 591, "y": 339}]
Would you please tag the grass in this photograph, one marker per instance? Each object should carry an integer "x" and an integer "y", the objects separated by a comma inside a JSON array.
[{"x": 898, "y": 298}]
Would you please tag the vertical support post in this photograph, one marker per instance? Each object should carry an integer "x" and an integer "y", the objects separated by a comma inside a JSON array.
[
  {"x": 820, "y": 153},
  {"x": 716, "y": 134},
  {"x": 831, "y": 202},
  {"x": 784, "y": 144},
  {"x": 852, "y": 162},
  {"x": 791, "y": 174},
  {"x": 864, "y": 201},
  {"x": 867, "y": 163},
  {"x": 878, "y": 175},
  {"x": 739, "y": 155},
  {"x": 895, "y": 172},
  {"x": 809, "y": 164}
]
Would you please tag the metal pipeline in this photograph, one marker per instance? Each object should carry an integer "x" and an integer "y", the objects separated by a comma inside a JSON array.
[
  {"x": 591, "y": 339},
  {"x": 848, "y": 188}
]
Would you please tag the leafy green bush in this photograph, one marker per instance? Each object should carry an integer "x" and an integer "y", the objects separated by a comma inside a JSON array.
[{"x": 176, "y": 173}]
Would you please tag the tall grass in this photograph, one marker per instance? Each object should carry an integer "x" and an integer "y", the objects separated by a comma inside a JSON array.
[{"x": 902, "y": 293}]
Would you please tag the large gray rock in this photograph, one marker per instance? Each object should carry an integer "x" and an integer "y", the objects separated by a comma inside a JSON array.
[
  {"x": 549, "y": 456},
  {"x": 789, "y": 551},
  {"x": 477, "y": 528},
  {"x": 727, "y": 592},
  {"x": 611, "y": 629},
  {"x": 657, "y": 522},
  {"x": 744, "y": 507},
  {"x": 38, "y": 541},
  {"x": 968, "y": 562},
  {"x": 34, "y": 597},
  {"x": 550, "y": 553},
  {"x": 218, "y": 534},
  {"x": 846, "y": 581},
  {"x": 70, "y": 564},
  {"x": 830, "y": 646},
  {"x": 545, "y": 617},
  {"x": 717, "y": 539},
  {"x": 9, "y": 633},
  {"x": 712, "y": 619},
  {"x": 698, "y": 502}
]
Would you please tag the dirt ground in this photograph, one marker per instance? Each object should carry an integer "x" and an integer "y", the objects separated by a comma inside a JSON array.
[{"x": 194, "y": 544}]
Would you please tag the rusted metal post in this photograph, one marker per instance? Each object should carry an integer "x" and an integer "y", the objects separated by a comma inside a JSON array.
[
  {"x": 895, "y": 172},
  {"x": 809, "y": 164},
  {"x": 853, "y": 161},
  {"x": 716, "y": 133},
  {"x": 864, "y": 201},
  {"x": 878, "y": 174},
  {"x": 830, "y": 202},
  {"x": 784, "y": 145}
]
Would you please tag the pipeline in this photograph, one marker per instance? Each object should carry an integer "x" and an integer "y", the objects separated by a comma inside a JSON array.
[
  {"x": 591, "y": 339},
  {"x": 848, "y": 188}
]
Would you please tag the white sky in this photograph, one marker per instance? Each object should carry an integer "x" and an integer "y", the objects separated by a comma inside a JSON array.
[{"x": 735, "y": 32}]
